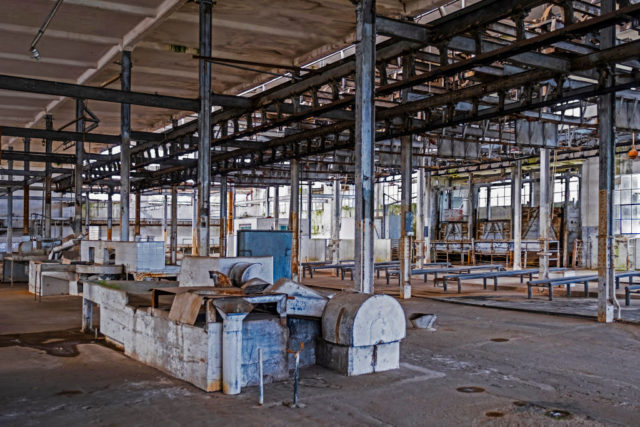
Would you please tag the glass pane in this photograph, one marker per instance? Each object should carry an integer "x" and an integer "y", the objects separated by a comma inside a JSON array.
[
  {"x": 625, "y": 197},
  {"x": 625, "y": 181},
  {"x": 626, "y": 227},
  {"x": 635, "y": 226},
  {"x": 626, "y": 212},
  {"x": 635, "y": 181}
]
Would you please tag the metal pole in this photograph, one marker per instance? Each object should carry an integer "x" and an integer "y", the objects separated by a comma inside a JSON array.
[
  {"x": 545, "y": 213},
  {"x": 125, "y": 148},
  {"x": 517, "y": 214},
  {"x": 86, "y": 214},
  {"x": 608, "y": 307},
  {"x": 309, "y": 209},
  {"x": 261, "y": 375},
  {"x": 364, "y": 144},
  {"x": 136, "y": 229},
  {"x": 165, "y": 213},
  {"x": 420, "y": 216},
  {"x": 174, "y": 224},
  {"x": 565, "y": 221},
  {"x": 110, "y": 216},
  {"x": 77, "y": 213},
  {"x": 194, "y": 221},
  {"x": 204, "y": 131},
  {"x": 429, "y": 209},
  {"x": 471, "y": 207},
  {"x": 406, "y": 172},
  {"x": 231, "y": 210},
  {"x": 276, "y": 208},
  {"x": 268, "y": 204},
  {"x": 10, "y": 213},
  {"x": 25, "y": 193},
  {"x": 223, "y": 217},
  {"x": 294, "y": 218},
  {"x": 47, "y": 180},
  {"x": 336, "y": 223}
]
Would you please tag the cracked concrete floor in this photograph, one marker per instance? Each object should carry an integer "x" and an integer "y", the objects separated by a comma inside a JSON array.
[{"x": 480, "y": 366}]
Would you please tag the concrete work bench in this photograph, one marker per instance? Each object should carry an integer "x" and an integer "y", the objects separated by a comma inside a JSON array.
[
  {"x": 322, "y": 265},
  {"x": 628, "y": 290},
  {"x": 562, "y": 281},
  {"x": 390, "y": 268},
  {"x": 453, "y": 270}
]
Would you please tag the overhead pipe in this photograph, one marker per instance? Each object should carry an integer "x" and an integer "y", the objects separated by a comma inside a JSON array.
[{"x": 43, "y": 28}]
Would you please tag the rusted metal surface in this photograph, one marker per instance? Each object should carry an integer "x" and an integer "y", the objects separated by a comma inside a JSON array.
[
  {"x": 294, "y": 220},
  {"x": 223, "y": 217},
  {"x": 517, "y": 214},
  {"x": 136, "y": 229}
]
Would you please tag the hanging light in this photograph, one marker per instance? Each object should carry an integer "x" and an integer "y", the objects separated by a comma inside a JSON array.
[{"x": 633, "y": 153}]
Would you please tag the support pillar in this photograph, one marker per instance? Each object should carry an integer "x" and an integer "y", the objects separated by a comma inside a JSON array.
[
  {"x": 276, "y": 208},
  {"x": 87, "y": 220},
  {"x": 565, "y": 220},
  {"x": 268, "y": 203},
  {"x": 545, "y": 213},
  {"x": 429, "y": 209},
  {"x": 336, "y": 223},
  {"x": 420, "y": 215},
  {"x": 516, "y": 217},
  {"x": 406, "y": 172},
  {"x": 204, "y": 131},
  {"x": 608, "y": 307},
  {"x": 194, "y": 221},
  {"x": 110, "y": 216},
  {"x": 471, "y": 208},
  {"x": 125, "y": 148},
  {"x": 309, "y": 209},
  {"x": 77, "y": 212},
  {"x": 364, "y": 144},
  {"x": 223, "y": 217},
  {"x": 294, "y": 218},
  {"x": 173, "y": 244},
  {"x": 47, "y": 181},
  {"x": 165, "y": 213},
  {"x": 25, "y": 194}
]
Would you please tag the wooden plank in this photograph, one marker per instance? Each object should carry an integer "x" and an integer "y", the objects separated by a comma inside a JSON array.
[{"x": 185, "y": 308}]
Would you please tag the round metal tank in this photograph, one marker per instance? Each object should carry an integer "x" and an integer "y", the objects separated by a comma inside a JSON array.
[
  {"x": 363, "y": 320},
  {"x": 243, "y": 271}
]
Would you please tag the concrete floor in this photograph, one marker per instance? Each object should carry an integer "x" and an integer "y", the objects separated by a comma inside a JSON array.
[{"x": 525, "y": 367}]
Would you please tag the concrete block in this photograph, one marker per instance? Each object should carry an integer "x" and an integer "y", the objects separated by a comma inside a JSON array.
[{"x": 353, "y": 361}]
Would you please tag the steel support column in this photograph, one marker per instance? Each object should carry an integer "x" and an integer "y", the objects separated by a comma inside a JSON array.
[
  {"x": 173, "y": 244},
  {"x": 364, "y": 143},
  {"x": 608, "y": 307},
  {"x": 336, "y": 223},
  {"x": 223, "y": 217},
  {"x": 110, "y": 215},
  {"x": 471, "y": 210},
  {"x": 565, "y": 220},
  {"x": 309, "y": 208},
  {"x": 294, "y": 218},
  {"x": 10, "y": 209},
  {"x": 77, "y": 212},
  {"x": 420, "y": 214},
  {"x": 406, "y": 173},
  {"x": 125, "y": 148},
  {"x": 87, "y": 220},
  {"x": 47, "y": 180},
  {"x": 516, "y": 217},
  {"x": 430, "y": 213},
  {"x": 276, "y": 208},
  {"x": 25, "y": 193},
  {"x": 231, "y": 210},
  {"x": 165, "y": 214},
  {"x": 204, "y": 131},
  {"x": 545, "y": 213}
]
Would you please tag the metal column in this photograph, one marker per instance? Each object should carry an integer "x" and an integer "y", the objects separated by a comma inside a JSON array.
[
  {"x": 608, "y": 307},
  {"x": 136, "y": 229},
  {"x": 276, "y": 208},
  {"x": 223, "y": 217},
  {"x": 10, "y": 210},
  {"x": 204, "y": 131},
  {"x": 420, "y": 215},
  {"x": 471, "y": 208},
  {"x": 194, "y": 220},
  {"x": 231, "y": 210},
  {"x": 125, "y": 148},
  {"x": 294, "y": 218},
  {"x": 565, "y": 220},
  {"x": 110, "y": 215},
  {"x": 516, "y": 218},
  {"x": 25, "y": 193},
  {"x": 406, "y": 173},
  {"x": 47, "y": 181},
  {"x": 545, "y": 213},
  {"x": 336, "y": 223},
  {"x": 364, "y": 144},
  {"x": 86, "y": 214},
  {"x": 165, "y": 213},
  {"x": 77, "y": 212},
  {"x": 309, "y": 209},
  {"x": 429, "y": 209},
  {"x": 173, "y": 245}
]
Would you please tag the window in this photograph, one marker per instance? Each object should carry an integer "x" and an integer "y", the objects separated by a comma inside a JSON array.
[
  {"x": 501, "y": 195},
  {"x": 482, "y": 197},
  {"x": 526, "y": 194},
  {"x": 558, "y": 189},
  {"x": 626, "y": 205}
]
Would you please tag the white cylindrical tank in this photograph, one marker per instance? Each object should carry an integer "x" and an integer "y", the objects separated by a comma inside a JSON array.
[{"x": 363, "y": 320}]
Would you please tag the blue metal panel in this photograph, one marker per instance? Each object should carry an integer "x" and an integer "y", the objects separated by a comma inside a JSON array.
[{"x": 268, "y": 243}]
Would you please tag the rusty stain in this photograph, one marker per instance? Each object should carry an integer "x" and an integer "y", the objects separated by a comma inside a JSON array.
[
  {"x": 499, "y": 339},
  {"x": 68, "y": 393},
  {"x": 338, "y": 325},
  {"x": 494, "y": 414}
]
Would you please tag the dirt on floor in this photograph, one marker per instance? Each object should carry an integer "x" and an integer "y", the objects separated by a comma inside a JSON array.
[{"x": 478, "y": 366}]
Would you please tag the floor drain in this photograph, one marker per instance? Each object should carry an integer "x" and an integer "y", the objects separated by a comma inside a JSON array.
[
  {"x": 499, "y": 339},
  {"x": 558, "y": 414},
  {"x": 520, "y": 403},
  {"x": 494, "y": 414},
  {"x": 470, "y": 389}
]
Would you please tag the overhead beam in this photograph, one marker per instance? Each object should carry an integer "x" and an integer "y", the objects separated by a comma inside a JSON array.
[{"x": 68, "y": 136}]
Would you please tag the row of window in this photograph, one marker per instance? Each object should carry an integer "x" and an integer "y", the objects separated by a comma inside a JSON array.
[{"x": 501, "y": 194}]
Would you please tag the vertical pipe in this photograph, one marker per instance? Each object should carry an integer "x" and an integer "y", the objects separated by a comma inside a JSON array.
[
  {"x": 294, "y": 218},
  {"x": 517, "y": 214},
  {"x": 10, "y": 212},
  {"x": 607, "y": 303},
  {"x": 336, "y": 223},
  {"x": 232, "y": 352},
  {"x": 110, "y": 215},
  {"x": 429, "y": 209},
  {"x": 545, "y": 213},
  {"x": 136, "y": 229},
  {"x": 364, "y": 144},
  {"x": 125, "y": 148},
  {"x": 420, "y": 216},
  {"x": 223, "y": 216},
  {"x": 194, "y": 221},
  {"x": 87, "y": 208},
  {"x": 565, "y": 221},
  {"x": 276, "y": 208},
  {"x": 231, "y": 206},
  {"x": 77, "y": 212},
  {"x": 87, "y": 315},
  {"x": 268, "y": 204},
  {"x": 204, "y": 131},
  {"x": 25, "y": 193},
  {"x": 61, "y": 213},
  {"x": 471, "y": 207},
  {"x": 260, "y": 373},
  {"x": 406, "y": 173},
  {"x": 165, "y": 213},
  {"x": 174, "y": 225},
  {"x": 47, "y": 181}
]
